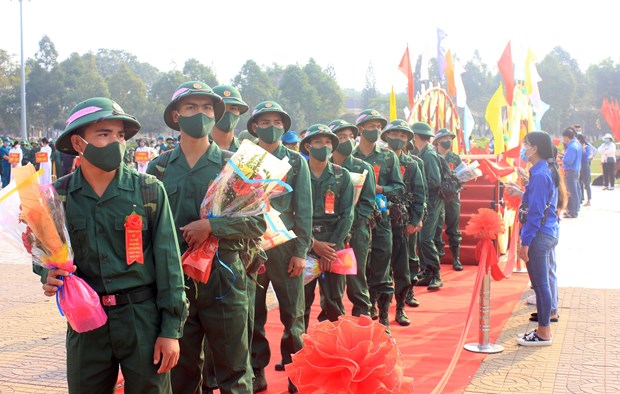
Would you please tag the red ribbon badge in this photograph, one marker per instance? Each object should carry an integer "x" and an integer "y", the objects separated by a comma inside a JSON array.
[
  {"x": 133, "y": 239},
  {"x": 402, "y": 171},
  {"x": 377, "y": 171},
  {"x": 330, "y": 202}
]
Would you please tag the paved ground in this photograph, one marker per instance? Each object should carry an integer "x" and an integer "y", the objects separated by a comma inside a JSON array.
[{"x": 584, "y": 358}]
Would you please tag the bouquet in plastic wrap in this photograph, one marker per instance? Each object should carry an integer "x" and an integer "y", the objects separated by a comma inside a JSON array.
[
  {"x": 358, "y": 183},
  {"x": 345, "y": 264},
  {"x": 242, "y": 189},
  {"x": 468, "y": 171},
  {"x": 276, "y": 233},
  {"x": 33, "y": 215}
]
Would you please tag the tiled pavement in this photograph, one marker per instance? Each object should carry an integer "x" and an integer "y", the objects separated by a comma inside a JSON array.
[{"x": 584, "y": 358}]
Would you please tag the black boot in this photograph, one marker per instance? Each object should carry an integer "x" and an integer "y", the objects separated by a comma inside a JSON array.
[
  {"x": 411, "y": 300},
  {"x": 401, "y": 317},
  {"x": 374, "y": 315},
  {"x": 456, "y": 263},
  {"x": 259, "y": 383},
  {"x": 384, "y": 307}
]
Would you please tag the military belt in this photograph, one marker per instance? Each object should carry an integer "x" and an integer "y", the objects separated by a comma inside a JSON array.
[{"x": 128, "y": 298}]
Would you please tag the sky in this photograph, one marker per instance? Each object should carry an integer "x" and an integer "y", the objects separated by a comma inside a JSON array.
[{"x": 348, "y": 35}]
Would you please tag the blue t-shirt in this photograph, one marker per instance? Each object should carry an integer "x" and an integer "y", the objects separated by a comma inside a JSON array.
[{"x": 572, "y": 156}]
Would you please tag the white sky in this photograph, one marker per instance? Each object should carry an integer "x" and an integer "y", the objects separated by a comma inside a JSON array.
[{"x": 345, "y": 34}]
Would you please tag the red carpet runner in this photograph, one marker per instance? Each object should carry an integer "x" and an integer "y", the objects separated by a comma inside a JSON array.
[{"x": 429, "y": 343}]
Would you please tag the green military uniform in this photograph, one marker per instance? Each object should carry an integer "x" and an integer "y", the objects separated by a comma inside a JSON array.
[
  {"x": 332, "y": 227},
  {"x": 412, "y": 243},
  {"x": 296, "y": 213},
  {"x": 404, "y": 210},
  {"x": 428, "y": 252},
  {"x": 451, "y": 215},
  {"x": 154, "y": 302},
  {"x": 219, "y": 308},
  {"x": 387, "y": 174},
  {"x": 357, "y": 286}
]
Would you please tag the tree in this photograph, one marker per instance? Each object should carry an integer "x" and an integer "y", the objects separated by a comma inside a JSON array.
[
  {"x": 9, "y": 94},
  {"x": 160, "y": 95},
  {"x": 330, "y": 95},
  {"x": 82, "y": 80},
  {"x": 558, "y": 88},
  {"x": 255, "y": 86},
  {"x": 129, "y": 91},
  {"x": 196, "y": 71},
  {"x": 479, "y": 85},
  {"x": 47, "y": 56},
  {"x": 370, "y": 87},
  {"x": 109, "y": 61},
  {"x": 298, "y": 97}
]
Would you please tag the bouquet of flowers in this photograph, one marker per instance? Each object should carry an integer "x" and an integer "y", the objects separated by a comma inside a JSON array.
[
  {"x": 34, "y": 215},
  {"x": 358, "y": 183},
  {"x": 276, "y": 233},
  {"x": 345, "y": 264},
  {"x": 243, "y": 188},
  {"x": 467, "y": 172}
]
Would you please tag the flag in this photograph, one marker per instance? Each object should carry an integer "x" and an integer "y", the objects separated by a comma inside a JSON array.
[
  {"x": 468, "y": 126},
  {"x": 392, "y": 105},
  {"x": 529, "y": 63},
  {"x": 441, "y": 60},
  {"x": 611, "y": 114},
  {"x": 450, "y": 74},
  {"x": 461, "y": 97},
  {"x": 506, "y": 69},
  {"x": 405, "y": 68},
  {"x": 493, "y": 116}
]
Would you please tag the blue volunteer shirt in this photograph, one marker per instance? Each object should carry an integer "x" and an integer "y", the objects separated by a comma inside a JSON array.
[
  {"x": 572, "y": 156},
  {"x": 539, "y": 194},
  {"x": 586, "y": 154}
]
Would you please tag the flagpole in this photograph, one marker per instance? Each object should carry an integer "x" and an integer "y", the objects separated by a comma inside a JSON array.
[{"x": 23, "y": 76}]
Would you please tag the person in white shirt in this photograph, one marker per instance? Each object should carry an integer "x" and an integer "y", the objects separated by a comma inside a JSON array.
[
  {"x": 608, "y": 160},
  {"x": 150, "y": 154},
  {"x": 16, "y": 149},
  {"x": 46, "y": 166}
]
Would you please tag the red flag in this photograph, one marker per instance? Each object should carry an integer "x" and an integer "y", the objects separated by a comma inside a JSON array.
[
  {"x": 506, "y": 68},
  {"x": 611, "y": 114},
  {"x": 513, "y": 153},
  {"x": 495, "y": 170},
  {"x": 405, "y": 68}
]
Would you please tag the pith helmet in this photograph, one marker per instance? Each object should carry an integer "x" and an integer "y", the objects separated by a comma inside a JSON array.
[
  {"x": 422, "y": 128},
  {"x": 231, "y": 95},
  {"x": 313, "y": 131},
  {"x": 397, "y": 125},
  {"x": 370, "y": 114},
  {"x": 193, "y": 88},
  {"x": 339, "y": 124},
  {"x": 265, "y": 107},
  {"x": 94, "y": 110}
]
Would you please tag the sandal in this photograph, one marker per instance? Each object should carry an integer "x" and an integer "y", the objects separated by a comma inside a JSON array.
[{"x": 532, "y": 339}]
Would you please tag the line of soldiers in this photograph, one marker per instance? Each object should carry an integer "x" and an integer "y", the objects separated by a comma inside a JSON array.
[{"x": 173, "y": 334}]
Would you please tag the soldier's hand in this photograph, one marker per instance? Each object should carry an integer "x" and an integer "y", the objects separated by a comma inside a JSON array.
[
  {"x": 296, "y": 266},
  {"x": 52, "y": 282},
  {"x": 196, "y": 232},
  {"x": 419, "y": 226},
  {"x": 167, "y": 351},
  {"x": 325, "y": 265},
  {"x": 324, "y": 250},
  {"x": 411, "y": 229}
]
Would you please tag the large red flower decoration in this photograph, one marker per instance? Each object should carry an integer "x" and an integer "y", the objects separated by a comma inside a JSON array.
[
  {"x": 352, "y": 355},
  {"x": 486, "y": 224}
]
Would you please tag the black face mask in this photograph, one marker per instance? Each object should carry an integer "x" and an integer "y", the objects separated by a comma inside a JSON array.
[
  {"x": 345, "y": 148},
  {"x": 396, "y": 143},
  {"x": 446, "y": 144},
  {"x": 107, "y": 158},
  {"x": 196, "y": 126},
  {"x": 372, "y": 135},
  {"x": 228, "y": 122}
]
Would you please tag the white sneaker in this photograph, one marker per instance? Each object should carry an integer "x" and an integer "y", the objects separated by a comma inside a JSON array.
[{"x": 531, "y": 299}]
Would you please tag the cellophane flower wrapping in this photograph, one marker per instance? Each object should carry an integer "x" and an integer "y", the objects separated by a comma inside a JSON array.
[
  {"x": 486, "y": 224},
  {"x": 312, "y": 269},
  {"x": 276, "y": 233},
  {"x": 358, "y": 184},
  {"x": 243, "y": 188},
  {"x": 345, "y": 264},
  {"x": 468, "y": 171},
  {"x": 33, "y": 214},
  {"x": 351, "y": 355}
]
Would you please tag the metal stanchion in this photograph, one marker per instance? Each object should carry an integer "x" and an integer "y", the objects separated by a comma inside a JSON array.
[{"x": 483, "y": 345}]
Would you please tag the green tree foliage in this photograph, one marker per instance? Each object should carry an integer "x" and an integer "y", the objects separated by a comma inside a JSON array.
[
  {"x": 255, "y": 86},
  {"x": 128, "y": 90},
  {"x": 9, "y": 93},
  {"x": 330, "y": 95},
  {"x": 82, "y": 80},
  {"x": 558, "y": 88},
  {"x": 196, "y": 71},
  {"x": 370, "y": 87}
]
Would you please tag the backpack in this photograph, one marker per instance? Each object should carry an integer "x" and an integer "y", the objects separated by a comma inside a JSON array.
[{"x": 450, "y": 185}]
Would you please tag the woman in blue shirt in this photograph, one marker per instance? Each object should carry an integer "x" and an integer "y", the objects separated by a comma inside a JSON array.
[{"x": 544, "y": 194}]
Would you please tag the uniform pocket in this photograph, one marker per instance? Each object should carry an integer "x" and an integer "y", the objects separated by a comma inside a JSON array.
[{"x": 78, "y": 234}]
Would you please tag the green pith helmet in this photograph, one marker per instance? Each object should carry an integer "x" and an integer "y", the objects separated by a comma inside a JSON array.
[
  {"x": 339, "y": 124},
  {"x": 370, "y": 114},
  {"x": 245, "y": 135},
  {"x": 231, "y": 95},
  {"x": 269, "y": 106},
  {"x": 313, "y": 131},
  {"x": 443, "y": 133},
  {"x": 91, "y": 111},
  {"x": 422, "y": 128},
  {"x": 193, "y": 88},
  {"x": 397, "y": 125}
]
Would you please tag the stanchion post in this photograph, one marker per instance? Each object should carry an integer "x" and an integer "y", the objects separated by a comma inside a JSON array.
[{"x": 483, "y": 345}]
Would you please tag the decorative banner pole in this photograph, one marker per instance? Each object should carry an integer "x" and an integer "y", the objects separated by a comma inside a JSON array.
[{"x": 486, "y": 225}]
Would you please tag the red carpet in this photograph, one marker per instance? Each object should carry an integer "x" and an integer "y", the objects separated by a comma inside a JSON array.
[{"x": 430, "y": 342}]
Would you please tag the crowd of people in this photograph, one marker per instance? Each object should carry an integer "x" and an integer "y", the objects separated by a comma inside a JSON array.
[{"x": 170, "y": 333}]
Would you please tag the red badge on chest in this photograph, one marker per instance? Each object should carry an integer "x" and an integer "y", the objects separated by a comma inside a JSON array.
[
  {"x": 133, "y": 239},
  {"x": 330, "y": 202}
]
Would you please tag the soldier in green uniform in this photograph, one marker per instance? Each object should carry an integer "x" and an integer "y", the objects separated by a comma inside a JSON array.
[
  {"x": 219, "y": 308},
  {"x": 406, "y": 213},
  {"x": 389, "y": 182},
  {"x": 223, "y": 133},
  {"x": 332, "y": 196},
  {"x": 431, "y": 276},
  {"x": 357, "y": 287},
  {"x": 413, "y": 241},
  {"x": 451, "y": 215},
  {"x": 285, "y": 262},
  {"x": 144, "y": 301}
]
